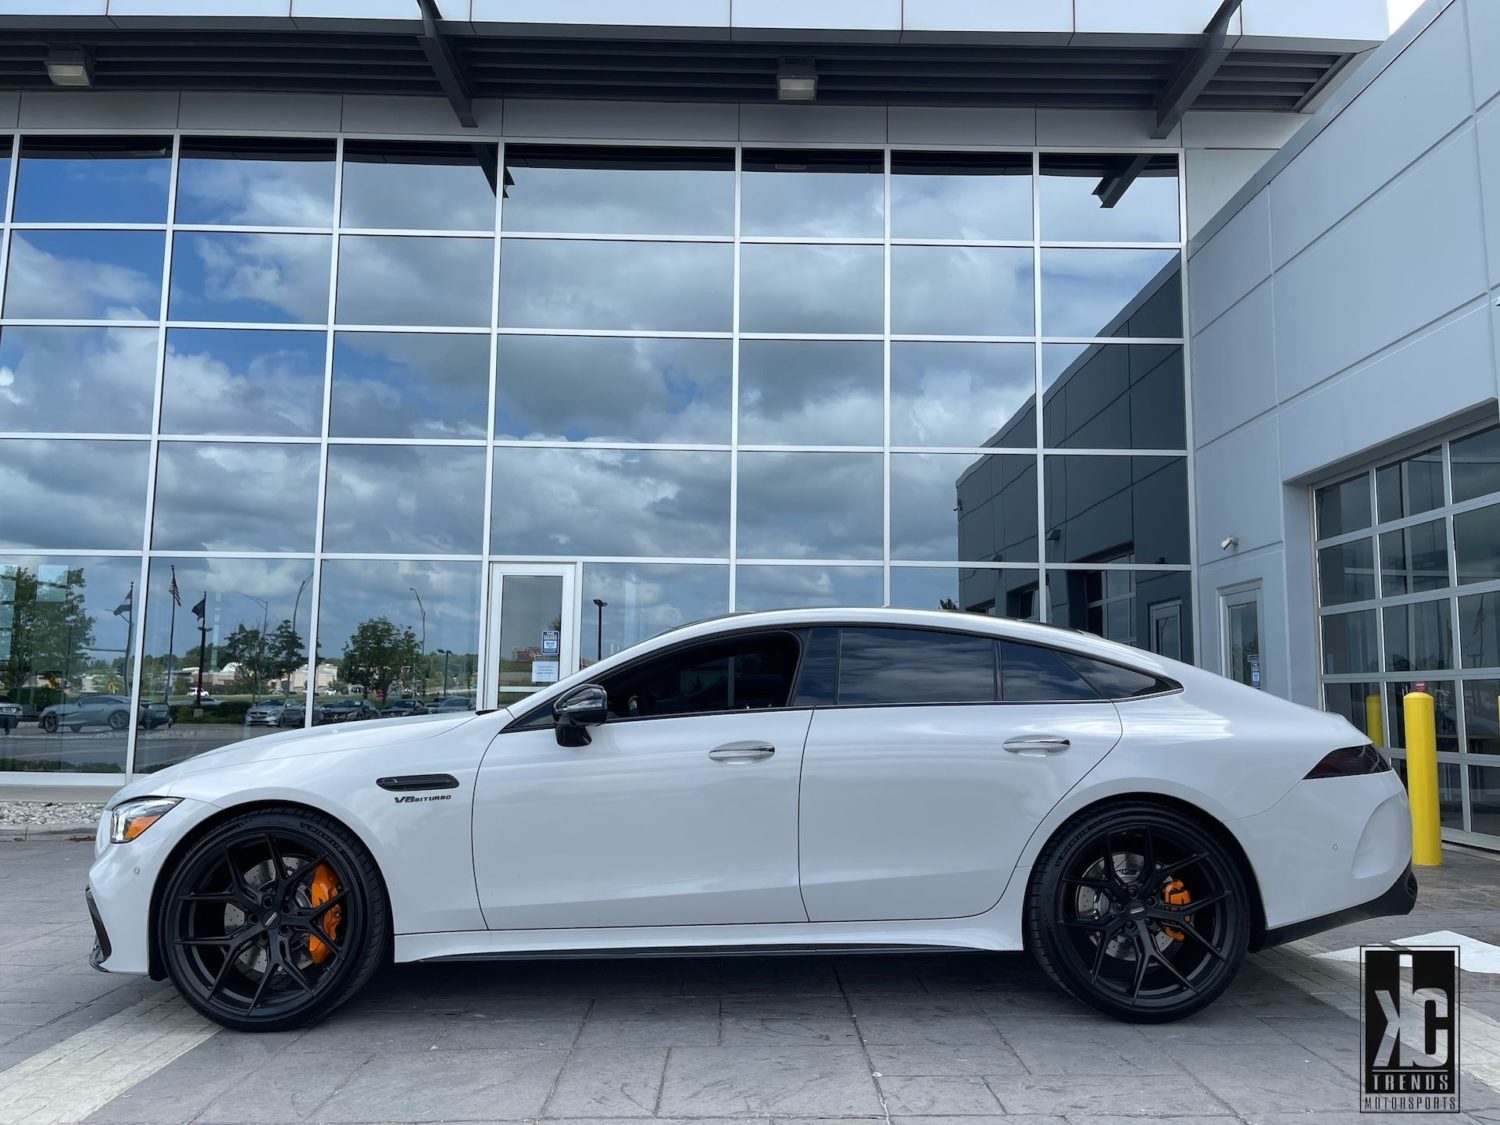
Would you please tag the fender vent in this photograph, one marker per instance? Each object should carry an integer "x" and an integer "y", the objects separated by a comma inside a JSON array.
[{"x": 412, "y": 782}]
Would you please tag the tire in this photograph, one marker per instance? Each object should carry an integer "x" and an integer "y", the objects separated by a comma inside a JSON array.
[
  {"x": 118, "y": 720},
  {"x": 1110, "y": 912},
  {"x": 248, "y": 975},
  {"x": 48, "y": 723}
]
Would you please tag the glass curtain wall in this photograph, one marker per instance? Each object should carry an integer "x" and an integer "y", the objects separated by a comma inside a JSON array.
[
  {"x": 1409, "y": 597},
  {"x": 269, "y": 405}
]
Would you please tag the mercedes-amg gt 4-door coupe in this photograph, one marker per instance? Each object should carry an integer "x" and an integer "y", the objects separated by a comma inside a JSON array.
[{"x": 801, "y": 780}]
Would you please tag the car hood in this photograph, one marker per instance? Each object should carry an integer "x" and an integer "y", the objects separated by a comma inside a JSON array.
[{"x": 294, "y": 744}]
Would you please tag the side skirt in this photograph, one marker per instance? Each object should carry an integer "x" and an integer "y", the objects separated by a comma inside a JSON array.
[{"x": 649, "y": 952}]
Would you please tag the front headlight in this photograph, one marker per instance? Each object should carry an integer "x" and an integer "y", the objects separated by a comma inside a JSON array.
[{"x": 129, "y": 820}]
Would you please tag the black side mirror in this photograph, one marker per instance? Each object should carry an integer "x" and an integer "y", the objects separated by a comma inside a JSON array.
[{"x": 585, "y": 706}]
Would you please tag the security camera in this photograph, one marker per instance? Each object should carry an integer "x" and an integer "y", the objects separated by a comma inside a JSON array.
[{"x": 1227, "y": 542}]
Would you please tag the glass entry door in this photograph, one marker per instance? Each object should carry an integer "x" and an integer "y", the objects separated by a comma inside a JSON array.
[
  {"x": 533, "y": 629},
  {"x": 1239, "y": 624}
]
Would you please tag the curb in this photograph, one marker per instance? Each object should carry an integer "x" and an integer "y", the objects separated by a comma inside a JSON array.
[{"x": 20, "y": 833}]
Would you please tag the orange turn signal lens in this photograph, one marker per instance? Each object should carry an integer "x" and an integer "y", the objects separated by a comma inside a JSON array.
[{"x": 129, "y": 820}]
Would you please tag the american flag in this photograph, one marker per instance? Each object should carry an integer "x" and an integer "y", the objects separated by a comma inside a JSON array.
[{"x": 172, "y": 589}]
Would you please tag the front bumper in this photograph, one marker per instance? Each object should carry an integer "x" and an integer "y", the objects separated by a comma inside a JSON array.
[{"x": 102, "y": 948}]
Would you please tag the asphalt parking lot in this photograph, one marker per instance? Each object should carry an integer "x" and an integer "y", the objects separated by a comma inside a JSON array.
[{"x": 907, "y": 1039}]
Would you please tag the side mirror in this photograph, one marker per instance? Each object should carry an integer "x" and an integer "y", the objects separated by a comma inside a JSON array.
[{"x": 585, "y": 706}]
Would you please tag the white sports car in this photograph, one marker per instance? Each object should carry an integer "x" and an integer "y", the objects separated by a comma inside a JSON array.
[{"x": 792, "y": 781}]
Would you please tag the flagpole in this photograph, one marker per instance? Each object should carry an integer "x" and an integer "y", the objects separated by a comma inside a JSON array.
[
  {"x": 166, "y": 690},
  {"x": 202, "y": 649}
]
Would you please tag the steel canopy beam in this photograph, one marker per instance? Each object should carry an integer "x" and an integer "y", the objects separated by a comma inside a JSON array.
[
  {"x": 1198, "y": 72},
  {"x": 445, "y": 66}
]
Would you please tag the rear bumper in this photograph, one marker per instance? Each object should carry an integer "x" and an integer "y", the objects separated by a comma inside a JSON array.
[{"x": 1400, "y": 899}]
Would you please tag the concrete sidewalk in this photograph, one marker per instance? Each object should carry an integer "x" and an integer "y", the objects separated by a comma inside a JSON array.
[{"x": 976, "y": 1038}]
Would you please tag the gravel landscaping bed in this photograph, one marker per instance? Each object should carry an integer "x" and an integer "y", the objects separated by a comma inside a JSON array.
[{"x": 23, "y": 818}]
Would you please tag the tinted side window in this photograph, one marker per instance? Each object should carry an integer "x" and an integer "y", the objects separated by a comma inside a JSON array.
[
  {"x": 892, "y": 667},
  {"x": 1029, "y": 674},
  {"x": 738, "y": 674},
  {"x": 1113, "y": 681},
  {"x": 817, "y": 685}
]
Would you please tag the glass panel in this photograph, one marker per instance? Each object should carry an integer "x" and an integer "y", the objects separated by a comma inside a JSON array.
[
  {"x": 963, "y": 394},
  {"x": 84, "y": 380},
  {"x": 66, "y": 644},
  {"x": 832, "y": 289},
  {"x": 1450, "y": 798},
  {"x": 810, "y": 505},
  {"x": 973, "y": 196},
  {"x": 1343, "y": 507},
  {"x": 398, "y": 280},
  {"x": 620, "y": 502},
  {"x": 1350, "y": 642},
  {"x": 667, "y": 286},
  {"x": 1071, "y": 211},
  {"x": 1242, "y": 642},
  {"x": 93, "y": 180},
  {"x": 1484, "y": 799},
  {"x": 1100, "y": 508},
  {"x": 405, "y": 186},
  {"x": 900, "y": 667},
  {"x": 249, "y": 278},
  {"x": 387, "y": 627},
  {"x": 1414, "y": 559},
  {"x": 796, "y": 587},
  {"x": 1113, "y": 396},
  {"x": 1361, "y": 705},
  {"x": 73, "y": 495},
  {"x": 644, "y": 599},
  {"x": 1111, "y": 293},
  {"x": 255, "y": 181},
  {"x": 1479, "y": 630},
  {"x": 1346, "y": 573},
  {"x": 1476, "y": 542},
  {"x": 613, "y": 388},
  {"x": 530, "y": 606},
  {"x": 998, "y": 593},
  {"x": 405, "y": 498},
  {"x": 235, "y": 497},
  {"x": 1482, "y": 716},
  {"x": 605, "y": 190},
  {"x": 85, "y": 274},
  {"x": 1410, "y": 487},
  {"x": 812, "y": 392},
  {"x": 955, "y": 506},
  {"x": 1418, "y": 636},
  {"x": 818, "y": 194},
  {"x": 1114, "y": 681},
  {"x": 1118, "y": 604},
  {"x": 1032, "y": 674},
  {"x": 243, "y": 382},
  {"x": 1445, "y": 708},
  {"x": 416, "y": 384},
  {"x": 961, "y": 291},
  {"x": 249, "y": 661},
  {"x": 1476, "y": 465},
  {"x": 733, "y": 674}
]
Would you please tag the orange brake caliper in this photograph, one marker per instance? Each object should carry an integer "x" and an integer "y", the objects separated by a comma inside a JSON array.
[
  {"x": 1176, "y": 894},
  {"x": 324, "y": 887}
]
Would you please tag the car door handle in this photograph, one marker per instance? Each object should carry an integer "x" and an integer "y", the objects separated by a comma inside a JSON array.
[
  {"x": 1036, "y": 745},
  {"x": 742, "y": 752}
]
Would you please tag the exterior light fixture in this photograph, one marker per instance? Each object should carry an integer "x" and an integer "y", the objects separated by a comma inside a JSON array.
[
  {"x": 70, "y": 66},
  {"x": 1229, "y": 542},
  {"x": 797, "y": 81}
]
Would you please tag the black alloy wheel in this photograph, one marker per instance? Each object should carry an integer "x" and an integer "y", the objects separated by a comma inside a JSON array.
[
  {"x": 118, "y": 720},
  {"x": 49, "y": 724},
  {"x": 272, "y": 920},
  {"x": 1138, "y": 911}
]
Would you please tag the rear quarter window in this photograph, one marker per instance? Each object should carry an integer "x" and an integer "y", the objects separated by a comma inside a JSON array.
[{"x": 1115, "y": 681}]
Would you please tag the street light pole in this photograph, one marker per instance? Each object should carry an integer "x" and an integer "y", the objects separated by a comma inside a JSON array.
[
  {"x": 446, "y": 654},
  {"x": 260, "y": 659},
  {"x": 296, "y": 608},
  {"x": 423, "y": 611},
  {"x": 599, "y": 642}
]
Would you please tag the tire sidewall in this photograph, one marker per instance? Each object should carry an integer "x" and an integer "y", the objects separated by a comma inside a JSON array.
[{"x": 1046, "y": 935}]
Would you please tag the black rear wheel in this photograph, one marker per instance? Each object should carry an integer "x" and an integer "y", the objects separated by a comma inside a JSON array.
[
  {"x": 1139, "y": 911},
  {"x": 272, "y": 920}
]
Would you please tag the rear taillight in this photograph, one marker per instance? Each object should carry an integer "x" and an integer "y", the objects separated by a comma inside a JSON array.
[{"x": 1350, "y": 761}]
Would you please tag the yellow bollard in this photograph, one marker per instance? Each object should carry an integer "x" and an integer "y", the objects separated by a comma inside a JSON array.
[
  {"x": 1374, "y": 721},
  {"x": 1422, "y": 779}
]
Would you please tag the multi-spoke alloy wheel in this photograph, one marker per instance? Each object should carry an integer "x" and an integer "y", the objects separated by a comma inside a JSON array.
[
  {"x": 1138, "y": 911},
  {"x": 272, "y": 920}
]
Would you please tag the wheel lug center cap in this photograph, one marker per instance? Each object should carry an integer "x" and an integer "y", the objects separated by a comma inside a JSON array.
[
  {"x": 271, "y": 919},
  {"x": 1137, "y": 909}
]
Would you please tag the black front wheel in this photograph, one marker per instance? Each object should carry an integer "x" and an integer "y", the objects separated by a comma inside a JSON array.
[
  {"x": 1139, "y": 911},
  {"x": 273, "y": 919},
  {"x": 49, "y": 723}
]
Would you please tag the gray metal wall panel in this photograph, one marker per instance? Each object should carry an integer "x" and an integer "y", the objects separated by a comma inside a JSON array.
[
  {"x": 1213, "y": 176},
  {"x": 1160, "y": 17},
  {"x": 87, "y": 109},
  {"x": 1031, "y": 16},
  {"x": 416, "y": 115},
  {"x": 1241, "y": 472},
  {"x": 1234, "y": 367},
  {"x": 604, "y": 13},
  {"x": 798, "y": 123},
  {"x": 318, "y": 113},
  {"x": 1488, "y": 135},
  {"x": 1233, "y": 262},
  {"x": 657, "y": 121},
  {"x": 1484, "y": 33},
  {"x": 1221, "y": 571},
  {"x": 961, "y": 126},
  {"x": 1210, "y": 129},
  {"x": 1085, "y": 127},
  {"x": 852, "y": 15}
]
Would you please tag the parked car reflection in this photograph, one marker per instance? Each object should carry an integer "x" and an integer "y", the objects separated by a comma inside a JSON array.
[
  {"x": 112, "y": 711},
  {"x": 267, "y": 713},
  {"x": 451, "y": 706}
]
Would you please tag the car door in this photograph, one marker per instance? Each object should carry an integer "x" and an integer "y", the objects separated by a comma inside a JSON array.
[
  {"x": 681, "y": 810},
  {"x": 922, "y": 783}
]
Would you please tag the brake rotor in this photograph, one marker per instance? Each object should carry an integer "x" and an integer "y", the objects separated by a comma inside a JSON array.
[{"x": 1093, "y": 904}]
